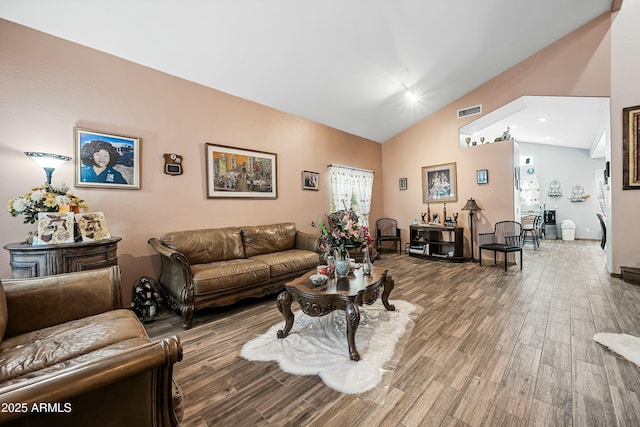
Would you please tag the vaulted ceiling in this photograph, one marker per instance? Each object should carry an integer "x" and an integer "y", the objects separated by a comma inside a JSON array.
[{"x": 346, "y": 64}]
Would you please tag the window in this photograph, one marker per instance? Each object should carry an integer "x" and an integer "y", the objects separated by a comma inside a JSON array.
[{"x": 351, "y": 188}]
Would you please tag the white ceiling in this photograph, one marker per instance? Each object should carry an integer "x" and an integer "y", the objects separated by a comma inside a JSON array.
[{"x": 341, "y": 63}]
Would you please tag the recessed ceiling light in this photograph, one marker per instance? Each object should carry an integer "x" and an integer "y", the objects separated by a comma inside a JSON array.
[
  {"x": 542, "y": 119},
  {"x": 547, "y": 138}
]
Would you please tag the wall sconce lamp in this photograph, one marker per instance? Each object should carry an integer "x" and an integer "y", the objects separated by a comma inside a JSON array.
[
  {"x": 49, "y": 162},
  {"x": 471, "y": 206}
]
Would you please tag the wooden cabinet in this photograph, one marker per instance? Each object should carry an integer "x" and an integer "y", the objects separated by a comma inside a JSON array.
[
  {"x": 46, "y": 260},
  {"x": 436, "y": 242}
]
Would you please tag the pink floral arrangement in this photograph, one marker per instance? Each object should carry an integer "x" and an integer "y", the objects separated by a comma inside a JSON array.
[{"x": 342, "y": 231}]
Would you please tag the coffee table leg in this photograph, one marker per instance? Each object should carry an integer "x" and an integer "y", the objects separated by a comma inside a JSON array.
[
  {"x": 284, "y": 305},
  {"x": 353, "y": 320},
  {"x": 388, "y": 287}
]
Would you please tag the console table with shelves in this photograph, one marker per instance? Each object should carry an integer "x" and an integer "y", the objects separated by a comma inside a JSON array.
[
  {"x": 436, "y": 242},
  {"x": 46, "y": 260}
]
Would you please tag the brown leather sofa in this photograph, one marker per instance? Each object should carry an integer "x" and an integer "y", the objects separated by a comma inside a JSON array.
[
  {"x": 219, "y": 266},
  {"x": 69, "y": 356}
]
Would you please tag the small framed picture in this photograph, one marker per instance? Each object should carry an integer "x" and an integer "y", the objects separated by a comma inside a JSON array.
[
  {"x": 482, "y": 176},
  {"x": 630, "y": 148},
  {"x": 403, "y": 183},
  {"x": 54, "y": 228},
  {"x": 310, "y": 180},
  {"x": 106, "y": 160},
  {"x": 93, "y": 226}
]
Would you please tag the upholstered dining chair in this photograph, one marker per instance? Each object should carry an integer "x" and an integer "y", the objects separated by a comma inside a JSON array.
[
  {"x": 507, "y": 237},
  {"x": 387, "y": 231}
]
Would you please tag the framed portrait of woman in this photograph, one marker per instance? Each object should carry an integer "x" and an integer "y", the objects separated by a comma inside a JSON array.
[{"x": 106, "y": 160}]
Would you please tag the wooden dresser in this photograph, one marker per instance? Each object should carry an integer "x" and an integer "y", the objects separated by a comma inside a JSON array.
[{"x": 46, "y": 260}]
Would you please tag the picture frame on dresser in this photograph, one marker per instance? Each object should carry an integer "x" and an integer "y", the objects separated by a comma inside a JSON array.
[
  {"x": 439, "y": 183},
  {"x": 240, "y": 173},
  {"x": 92, "y": 226},
  {"x": 106, "y": 160}
]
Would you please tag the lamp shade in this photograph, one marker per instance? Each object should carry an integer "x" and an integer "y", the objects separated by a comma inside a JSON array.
[
  {"x": 47, "y": 160},
  {"x": 471, "y": 205}
]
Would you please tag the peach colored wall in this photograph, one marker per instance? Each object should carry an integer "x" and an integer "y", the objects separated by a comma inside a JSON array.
[
  {"x": 577, "y": 65},
  {"x": 625, "y": 92},
  {"x": 49, "y": 85}
]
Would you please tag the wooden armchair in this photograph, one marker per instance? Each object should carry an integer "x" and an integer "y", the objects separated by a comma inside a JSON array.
[
  {"x": 387, "y": 231},
  {"x": 507, "y": 237}
]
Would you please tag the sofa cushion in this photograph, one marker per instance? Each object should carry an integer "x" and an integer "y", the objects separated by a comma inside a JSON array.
[
  {"x": 4, "y": 314},
  {"x": 225, "y": 276},
  {"x": 208, "y": 245},
  {"x": 264, "y": 239},
  {"x": 291, "y": 261},
  {"x": 72, "y": 342}
]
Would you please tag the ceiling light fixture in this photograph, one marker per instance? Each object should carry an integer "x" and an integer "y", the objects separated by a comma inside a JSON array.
[
  {"x": 49, "y": 162},
  {"x": 412, "y": 97}
]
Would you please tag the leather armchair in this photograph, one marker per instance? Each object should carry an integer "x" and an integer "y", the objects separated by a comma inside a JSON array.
[{"x": 70, "y": 356}]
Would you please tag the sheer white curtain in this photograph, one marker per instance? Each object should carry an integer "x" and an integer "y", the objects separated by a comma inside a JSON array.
[
  {"x": 362, "y": 188},
  {"x": 340, "y": 180},
  {"x": 351, "y": 187}
]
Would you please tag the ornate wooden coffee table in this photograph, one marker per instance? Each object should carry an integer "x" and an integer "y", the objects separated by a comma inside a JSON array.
[{"x": 336, "y": 294}]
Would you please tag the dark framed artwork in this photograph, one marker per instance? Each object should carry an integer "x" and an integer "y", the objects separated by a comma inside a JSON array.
[
  {"x": 403, "y": 183},
  {"x": 630, "y": 149},
  {"x": 106, "y": 160},
  {"x": 310, "y": 180},
  {"x": 482, "y": 176},
  {"x": 240, "y": 173},
  {"x": 439, "y": 183}
]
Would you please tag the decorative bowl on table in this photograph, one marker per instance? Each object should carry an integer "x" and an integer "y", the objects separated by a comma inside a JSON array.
[{"x": 319, "y": 279}]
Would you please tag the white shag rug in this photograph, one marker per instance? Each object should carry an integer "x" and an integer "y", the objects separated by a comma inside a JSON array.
[
  {"x": 625, "y": 345},
  {"x": 318, "y": 346}
]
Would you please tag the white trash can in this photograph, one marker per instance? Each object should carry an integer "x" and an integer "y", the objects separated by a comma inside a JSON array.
[{"x": 568, "y": 229}]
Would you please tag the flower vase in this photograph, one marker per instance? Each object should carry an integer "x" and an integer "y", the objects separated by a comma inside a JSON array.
[
  {"x": 342, "y": 264},
  {"x": 366, "y": 262}
]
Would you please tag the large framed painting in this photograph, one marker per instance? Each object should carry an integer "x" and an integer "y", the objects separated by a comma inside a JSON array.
[
  {"x": 630, "y": 149},
  {"x": 439, "y": 183},
  {"x": 240, "y": 173},
  {"x": 106, "y": 160}
]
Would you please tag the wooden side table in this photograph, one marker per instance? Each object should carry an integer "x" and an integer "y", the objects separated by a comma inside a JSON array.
[{"x": 46, "y": 260}]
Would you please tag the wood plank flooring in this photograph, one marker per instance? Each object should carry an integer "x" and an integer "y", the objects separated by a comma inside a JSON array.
[{"x": 489, "y": 348}]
